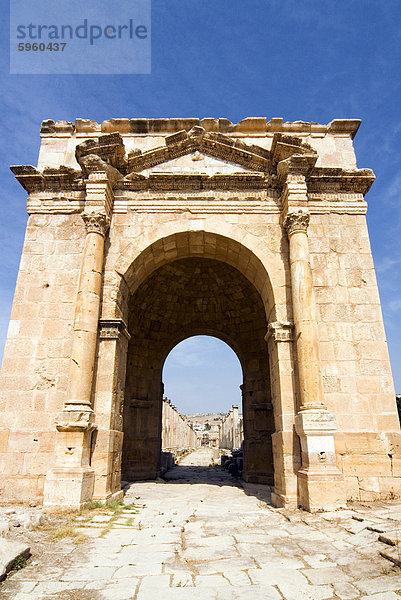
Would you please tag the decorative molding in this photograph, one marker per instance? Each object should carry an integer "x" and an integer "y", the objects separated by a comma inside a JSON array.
[
  {"x": 280, "y": 331},
  {"x": 197, "y": 139},
  {"x": 96, "y": 222},
  {"x": 113, "y": 329},
  {"x": 109, "y": 148},
  {"x": 340, "y": 180},
  {"x": 289, "y": 158},
  {"x": 296, "y": 221},
  {"x": 249, "y": 125},
  {"x": 295, "y": 165},
  {"x": 98, "y": 176},
  {"x": 51, "y": 179},
  {"x": 285, "y": 146}
]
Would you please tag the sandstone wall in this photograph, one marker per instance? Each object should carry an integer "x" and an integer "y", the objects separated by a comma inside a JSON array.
[
  {"x": 36, "y": 356},
  {"x": 357, "y": 379},
  {"x": 185, "y": 189}
]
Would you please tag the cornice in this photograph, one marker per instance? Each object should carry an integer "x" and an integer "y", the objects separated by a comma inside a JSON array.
[
  {"x": 187, "y": 181},
  {"x": 265, "y": 170},
  {"x": 327, "y": 179},
  {"x": 60, "y": 179},
  {"x": 319, "y": 180},
  {"x": 247, "y": 126}
]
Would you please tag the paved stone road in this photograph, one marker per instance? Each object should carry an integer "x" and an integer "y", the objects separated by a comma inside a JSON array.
[{"x": 200, "y": 535}]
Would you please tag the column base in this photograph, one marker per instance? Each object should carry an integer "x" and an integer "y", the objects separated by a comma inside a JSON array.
[
  {"x": 320, "y": 483},
  {"x": 109, "y": 497},
  {"x": 283, "y": 501},
  {"x": 68, "y": 488},
  {"x": 320, "y": 491}
]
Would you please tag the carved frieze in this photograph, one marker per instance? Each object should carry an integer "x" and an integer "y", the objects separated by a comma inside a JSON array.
[
  {"x": 110, "y": 148},
  {"x": 58, "y": 179},
  {"x": 289, "y": 158},
  {"x": 112, "y": 329}
]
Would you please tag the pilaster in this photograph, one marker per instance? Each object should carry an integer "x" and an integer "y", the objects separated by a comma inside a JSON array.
[
  {"x": 320, "y": 483},
  {"x": 286, "y": 455},
  {"x": 108, "y": 404},
  {"x": 71, "y": 482}
]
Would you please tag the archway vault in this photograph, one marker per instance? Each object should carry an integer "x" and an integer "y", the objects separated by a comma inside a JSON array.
[
  {"x": 139, "y": 259},
  {"x": 181, "y": 298}
]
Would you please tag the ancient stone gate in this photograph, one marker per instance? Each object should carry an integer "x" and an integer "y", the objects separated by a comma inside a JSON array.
[{"x": 142, "y": 233}]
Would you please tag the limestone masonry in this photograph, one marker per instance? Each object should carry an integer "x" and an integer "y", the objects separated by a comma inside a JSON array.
[{"x": 144, "y": 232}]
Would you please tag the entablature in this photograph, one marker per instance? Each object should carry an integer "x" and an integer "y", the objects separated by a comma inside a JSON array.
[{"x": 201, "y": 159}]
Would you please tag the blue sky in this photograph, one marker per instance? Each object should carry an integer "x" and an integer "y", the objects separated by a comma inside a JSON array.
[
  {"x": 201, "y": 375},
  {"x": 305, "y": 60}
]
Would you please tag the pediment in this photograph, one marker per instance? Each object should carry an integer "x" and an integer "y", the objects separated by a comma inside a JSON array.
[
  {"x": 196, "y": 163},
  {"x": 217, "y": 151},
  {"x": 219, "y": 154}
]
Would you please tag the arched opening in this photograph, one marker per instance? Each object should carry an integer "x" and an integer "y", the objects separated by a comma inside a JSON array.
[
  {"x": 203, "y": 374},
  {"x": 202, "y": 404},
  {"x": 195, "y": 295}
]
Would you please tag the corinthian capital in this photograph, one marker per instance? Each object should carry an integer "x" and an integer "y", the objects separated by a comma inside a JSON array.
[
  {"x": 96, "y": 222},
  {"x": 297, "y": 221}
]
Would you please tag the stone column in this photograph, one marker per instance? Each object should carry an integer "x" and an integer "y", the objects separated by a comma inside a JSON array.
[
  {"x": 71, "y": 482},
  {"x": 87, "y": 314},
  {"x": 303, "y": 306},
  {"x": 235, "y": 426},
  {"x": 319, "y": 480}
]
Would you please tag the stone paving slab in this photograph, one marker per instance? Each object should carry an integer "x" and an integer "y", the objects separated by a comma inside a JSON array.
[
  {"x": 10, "y": 552},
  {"x": 208, "y": 538}
]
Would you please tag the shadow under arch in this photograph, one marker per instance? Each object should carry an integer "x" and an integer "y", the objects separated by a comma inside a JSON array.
[{"x": 187, "y": 284}]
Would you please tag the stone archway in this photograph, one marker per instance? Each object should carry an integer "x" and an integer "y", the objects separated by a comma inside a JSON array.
[
  {"x": 272, "y": 201},
  {"x": 190, "y": 296},
  {"x": 127, "y": 335}
]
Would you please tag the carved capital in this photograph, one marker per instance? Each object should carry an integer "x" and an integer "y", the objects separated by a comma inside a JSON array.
[
  {"x": 297, "y": 221},
  {"x": 96, "y": 222},
  {"x": 280, "y": 331},
  {"x": 112, "y": 329}
]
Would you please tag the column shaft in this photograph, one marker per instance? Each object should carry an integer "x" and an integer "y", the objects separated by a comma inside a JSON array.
[
  {"x": 319, "y": 480},
  {"x": 86, "y": 322},
  {"x": 310, "y": 381}
]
